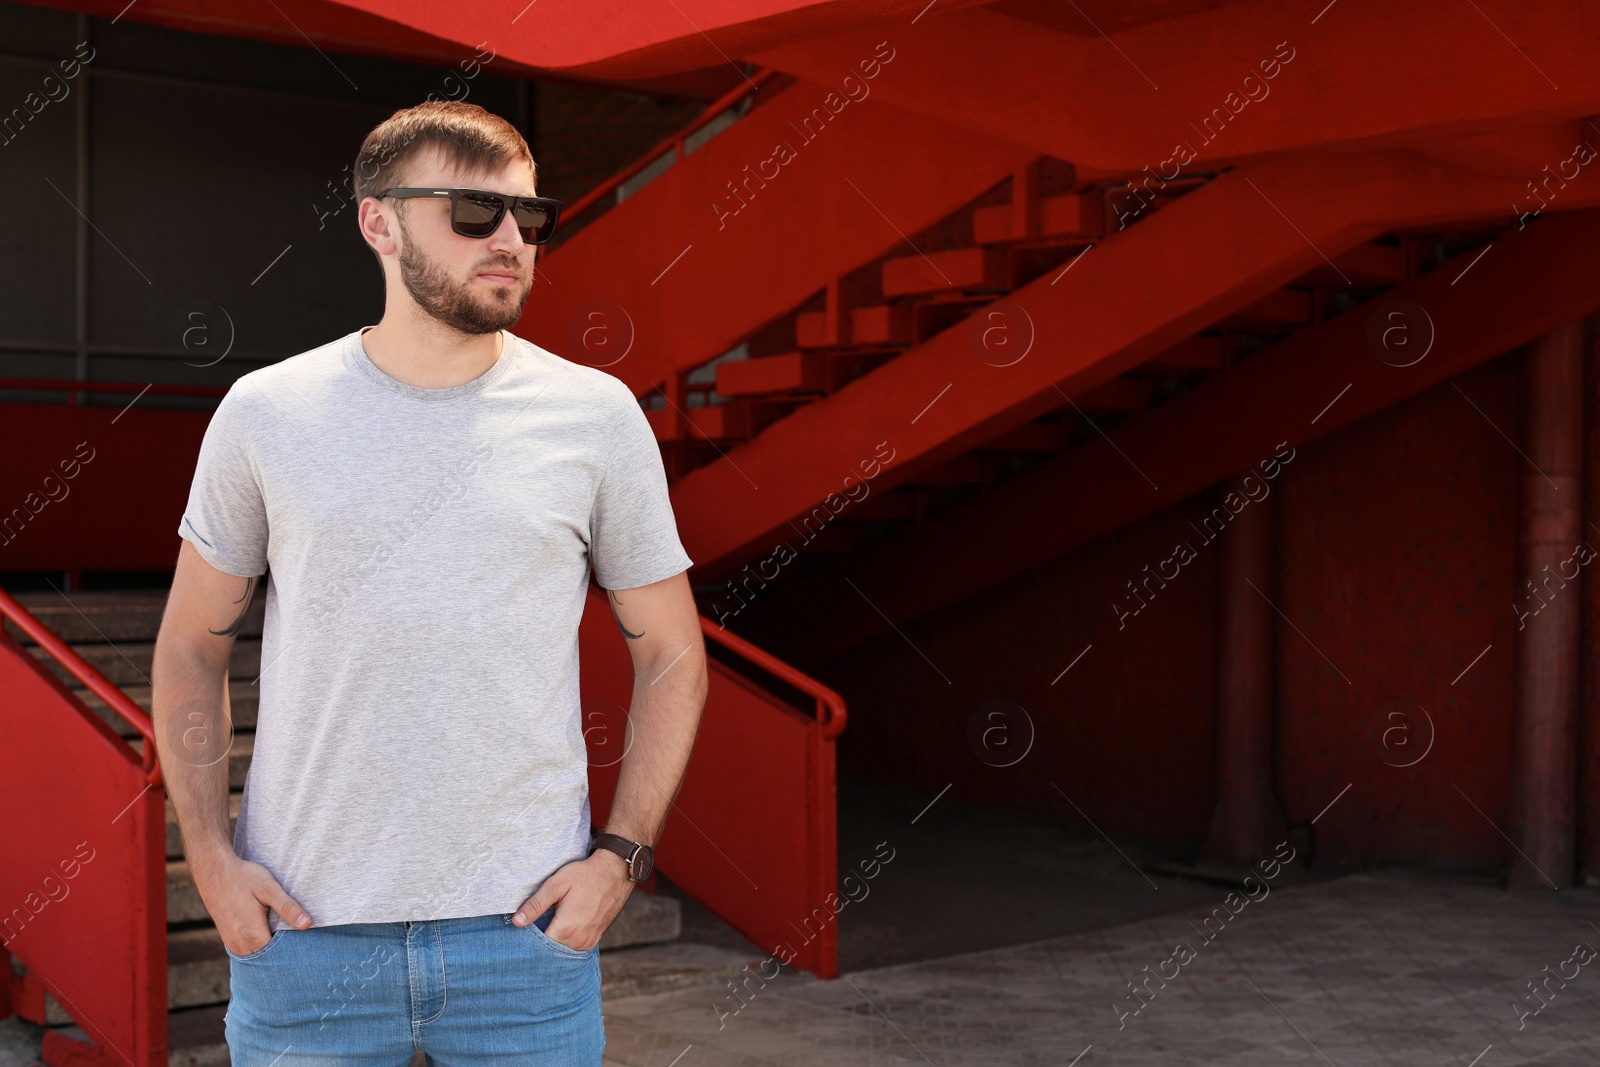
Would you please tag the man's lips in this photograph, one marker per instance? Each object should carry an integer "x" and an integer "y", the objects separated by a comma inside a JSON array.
[{"x": 496, "y": 275}]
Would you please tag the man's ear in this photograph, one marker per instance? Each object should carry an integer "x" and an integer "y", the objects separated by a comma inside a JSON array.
[{"x": 374, "y": 224}]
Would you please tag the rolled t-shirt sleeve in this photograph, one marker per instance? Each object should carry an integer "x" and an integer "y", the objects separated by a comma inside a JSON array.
[
  {"x": 226, "y": 516},
  {"x": 633, "y": 536}
]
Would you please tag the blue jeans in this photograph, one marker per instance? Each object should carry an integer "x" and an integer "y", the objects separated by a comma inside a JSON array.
[{"x": 469, "y": 991}]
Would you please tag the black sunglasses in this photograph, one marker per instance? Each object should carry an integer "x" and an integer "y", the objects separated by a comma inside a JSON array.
[{"x": 477, "y": 213}]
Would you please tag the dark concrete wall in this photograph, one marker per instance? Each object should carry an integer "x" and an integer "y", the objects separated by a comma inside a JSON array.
[{"x": 1396, "y": 558}]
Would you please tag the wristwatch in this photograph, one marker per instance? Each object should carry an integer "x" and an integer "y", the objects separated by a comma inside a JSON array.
[{"x": 641, "y": 861}]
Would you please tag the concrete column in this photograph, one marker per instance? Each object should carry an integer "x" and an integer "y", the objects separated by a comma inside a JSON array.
[
  {"x": 1545, "y": 606},
  {"x": 1247, "y": 823}
]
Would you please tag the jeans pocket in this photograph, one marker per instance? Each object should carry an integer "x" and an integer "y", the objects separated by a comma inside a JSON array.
[
  {"x": 537, "y": 929},
  {"x": 258, "y": 953}
]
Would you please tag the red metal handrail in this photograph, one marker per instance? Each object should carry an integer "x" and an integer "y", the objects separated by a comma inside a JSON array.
[
  {"x": 830, "y": 705},
  {"x": 675, "y": 143},
  {"x": 92, "y": 680}
]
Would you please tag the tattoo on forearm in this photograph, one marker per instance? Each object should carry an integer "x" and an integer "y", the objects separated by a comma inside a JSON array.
[
  {"x": 611, "y": 598},
  {"x": 244, "y": 599}
]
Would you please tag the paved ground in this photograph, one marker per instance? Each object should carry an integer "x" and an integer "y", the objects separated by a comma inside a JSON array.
[
  {"x": 1388, "y": 967},
  {"x": 966, "y": 877}
]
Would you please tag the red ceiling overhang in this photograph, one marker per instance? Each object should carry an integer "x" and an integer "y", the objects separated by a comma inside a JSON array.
[{"x": 685, "y": 48}]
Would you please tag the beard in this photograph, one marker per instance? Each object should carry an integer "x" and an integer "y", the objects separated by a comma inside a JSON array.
[{"x": 455, "y": 304}]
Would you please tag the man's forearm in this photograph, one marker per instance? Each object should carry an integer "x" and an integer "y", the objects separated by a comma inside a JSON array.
[
  {"x": 668, "y": 697},
  {"x": 190, "y": 712}
]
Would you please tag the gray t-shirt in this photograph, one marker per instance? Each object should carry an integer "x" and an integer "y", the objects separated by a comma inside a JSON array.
[{"x": 419, "y": 750}]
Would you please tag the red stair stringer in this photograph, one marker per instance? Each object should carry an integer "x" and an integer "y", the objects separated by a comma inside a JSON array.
[{"x": 704, "y": 282}]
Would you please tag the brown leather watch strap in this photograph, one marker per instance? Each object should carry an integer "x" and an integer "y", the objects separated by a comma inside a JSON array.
[{"x": 639, "y": 857}]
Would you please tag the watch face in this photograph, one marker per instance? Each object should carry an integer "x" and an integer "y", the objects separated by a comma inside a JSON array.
[{"x": 643, "y": 863}]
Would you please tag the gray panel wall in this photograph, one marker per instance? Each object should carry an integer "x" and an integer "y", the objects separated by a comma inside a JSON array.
[{"x": 198, "y": 162}]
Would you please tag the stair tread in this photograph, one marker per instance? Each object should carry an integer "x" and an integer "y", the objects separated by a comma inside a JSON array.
[
  {"x": 197, "y": 1037},
  {"x": 99, "y": 615},
  {"x": 244, "y": 698},
  {"x": 243, "y": 745},
  {"x": 949, "y": 270},
  {"x": 241, "y": 749},
  {"x": 199, "y": 945},
  {"x": 678, "y": 965},
  {"x": 175, "y": 838}
]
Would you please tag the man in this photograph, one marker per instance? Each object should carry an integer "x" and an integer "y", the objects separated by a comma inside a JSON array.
[{"x": 414, "y": 867}]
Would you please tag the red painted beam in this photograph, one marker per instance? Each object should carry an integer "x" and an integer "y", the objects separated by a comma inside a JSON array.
[
  {"x": 1329, "y": 376},
  {"x": 1239, "y": 79},
  {"x": 1134, "y": 296},
  {"x": 1551, "y": 553}
]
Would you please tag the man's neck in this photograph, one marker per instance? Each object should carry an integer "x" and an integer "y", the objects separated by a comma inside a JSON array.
[{"x": 429, "y": 355}]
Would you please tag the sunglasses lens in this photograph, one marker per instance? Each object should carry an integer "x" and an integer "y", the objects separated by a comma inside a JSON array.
[
  {"x": 536, "y": 221},
  {"x": 477, "y": 216}
]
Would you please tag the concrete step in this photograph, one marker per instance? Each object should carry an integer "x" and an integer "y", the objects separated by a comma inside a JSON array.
[
  {"x": 240, "y": 750},
  {"x": 175, "y": 838},
  {"x": 184, "y": 905},
  {"x": 197, "y": 968},
  {"x": 646, "y": 919},
  {"x": 680, "y": 965},
  {"x": 95, "y": 615},
  {"x": 196, "y": 1037},
  {"x": 127, "y": 663},
  {"x": 244, "y": 701},
  {"x": 117, "y": 615}
]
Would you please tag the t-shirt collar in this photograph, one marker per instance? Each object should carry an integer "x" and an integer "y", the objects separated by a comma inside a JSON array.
[{"x": 356, "y": 356}]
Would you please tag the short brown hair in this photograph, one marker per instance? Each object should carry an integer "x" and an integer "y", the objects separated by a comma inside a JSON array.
[{"x": 465, "y": 134}]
